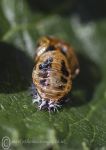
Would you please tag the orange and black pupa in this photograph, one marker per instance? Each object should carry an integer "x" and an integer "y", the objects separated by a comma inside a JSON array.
[{"x": 56, "y": 65}]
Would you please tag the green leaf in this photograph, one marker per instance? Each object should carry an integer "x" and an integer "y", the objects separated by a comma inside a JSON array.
[{"x": 81, "y": 123}]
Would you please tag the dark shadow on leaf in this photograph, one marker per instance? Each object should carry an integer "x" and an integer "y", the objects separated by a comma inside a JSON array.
[
  {"x": 15, "y": 69},
  {"x": 87, "y": 10},
  {"x": 50, "y": 147},
  {"x": 85, "y": 84}
]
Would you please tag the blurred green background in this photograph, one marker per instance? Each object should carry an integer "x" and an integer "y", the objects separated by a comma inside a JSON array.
[{"x": 81, "y": 123}]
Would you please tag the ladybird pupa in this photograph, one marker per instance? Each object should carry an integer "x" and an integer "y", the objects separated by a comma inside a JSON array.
[{"x": 56, "y": 65}]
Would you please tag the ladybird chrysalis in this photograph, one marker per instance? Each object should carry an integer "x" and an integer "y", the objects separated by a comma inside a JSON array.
[{"x": 56, "y": 65}]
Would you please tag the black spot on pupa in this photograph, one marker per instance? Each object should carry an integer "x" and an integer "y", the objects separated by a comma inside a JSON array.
[
  {"x": 50, "y": 48},
  {"x": 46, "y": 64},
  {"x": 63, "y": 80},
  {"x": 43, "y": 74},
  {"x": 42, "y": 82},
  {"x": 64, "y": 69}
]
